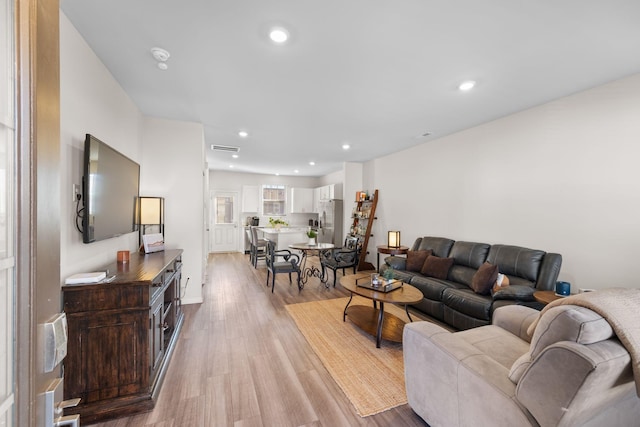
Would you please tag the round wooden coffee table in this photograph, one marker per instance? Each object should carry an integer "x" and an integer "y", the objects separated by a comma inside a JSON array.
[{"x": 374, "y": 320}]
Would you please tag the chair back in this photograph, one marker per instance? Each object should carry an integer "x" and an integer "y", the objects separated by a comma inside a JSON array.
[
  {"x": 351, "y": 243},
  {"x": 254, "y": 235}
]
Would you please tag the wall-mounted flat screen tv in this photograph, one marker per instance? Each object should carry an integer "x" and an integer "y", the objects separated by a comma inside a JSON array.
[{"x": 110, "y": 188}]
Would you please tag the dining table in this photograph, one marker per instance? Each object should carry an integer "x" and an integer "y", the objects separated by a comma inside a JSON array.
[{"x": 306, "y": 272}]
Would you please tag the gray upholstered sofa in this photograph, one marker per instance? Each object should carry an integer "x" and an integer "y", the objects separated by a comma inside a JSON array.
[
  {"x": 572, "y": 372},
  {"x": 452, "y": 300}
]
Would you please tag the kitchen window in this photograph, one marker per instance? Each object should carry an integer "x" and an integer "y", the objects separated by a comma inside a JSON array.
[{"x": 274, "y": 200}]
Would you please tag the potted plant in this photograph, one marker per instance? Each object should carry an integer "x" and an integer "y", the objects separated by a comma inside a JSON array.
[
  {"x": 311, "y": 234},
  {"x": 277, "y": 223}
]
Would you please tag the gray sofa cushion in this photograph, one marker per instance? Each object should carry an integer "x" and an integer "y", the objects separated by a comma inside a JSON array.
[
  {"x": 467, "y": 302},
  {"x": 432, "y": 288},
  {"x": 469, "y": 254},
  {"x": 439, "y": 245},
  {"x": 516, "y": 261}
]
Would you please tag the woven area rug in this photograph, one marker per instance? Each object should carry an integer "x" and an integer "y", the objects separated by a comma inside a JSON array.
[{"x": 372, "y": 378}]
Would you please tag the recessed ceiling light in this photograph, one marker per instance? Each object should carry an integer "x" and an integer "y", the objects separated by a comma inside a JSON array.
[
  {"x": 231, "y": 166},
  {"x": 278, "y": 35},
  {"x": 468, "y": 85},
  {"x": 235, "y": 156},
  {"x": 312, "y": 163},
  {"x": 296, "y": 171},
  {"x": 243, "y": 134},
  {"x": 277, "y": 174},
  {"x": 345, "y": 146}
]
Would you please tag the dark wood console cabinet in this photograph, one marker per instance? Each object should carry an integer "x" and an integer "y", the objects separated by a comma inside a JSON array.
[{"x": 122, "y": 335}]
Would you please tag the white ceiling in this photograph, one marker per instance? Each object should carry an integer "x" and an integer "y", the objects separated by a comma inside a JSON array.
[{"x": 375, "y": 74}]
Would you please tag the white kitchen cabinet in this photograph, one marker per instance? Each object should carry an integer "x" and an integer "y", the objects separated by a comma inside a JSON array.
[
  {"x": 330, "y": 191},
  {"x": 250, "y": 198},
  {"x": 316, "y": 200},
  {"x": 301, "y": 200}
]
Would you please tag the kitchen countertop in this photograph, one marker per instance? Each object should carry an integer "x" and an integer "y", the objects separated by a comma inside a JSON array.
[{"x": 284, "y": 230}]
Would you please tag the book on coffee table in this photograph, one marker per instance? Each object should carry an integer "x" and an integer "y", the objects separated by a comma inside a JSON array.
[{"x": 383, "y": 285}]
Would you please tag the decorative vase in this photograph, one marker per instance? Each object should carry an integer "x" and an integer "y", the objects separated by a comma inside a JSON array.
[{"x": 312, "y": 241}]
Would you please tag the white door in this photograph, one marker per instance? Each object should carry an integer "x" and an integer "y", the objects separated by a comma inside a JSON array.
[{"x": 224, "y": 221}]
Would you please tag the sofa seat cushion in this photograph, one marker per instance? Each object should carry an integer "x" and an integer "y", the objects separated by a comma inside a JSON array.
[
  {"x": 465, "y": 301},
  {"x": 497, "y": 343},
  {"x": 432, "y": 288},
  {"x": 405, "y": 276}
]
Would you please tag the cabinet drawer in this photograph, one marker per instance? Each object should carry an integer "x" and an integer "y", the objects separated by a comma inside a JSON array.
[{"x": 105, "y": 298}]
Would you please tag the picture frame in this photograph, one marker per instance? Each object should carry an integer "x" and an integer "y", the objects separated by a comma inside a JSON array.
[{"x": 153, "y": 242}]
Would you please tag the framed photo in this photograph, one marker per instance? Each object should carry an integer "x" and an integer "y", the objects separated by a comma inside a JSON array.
[{"x": 153, "y": 242}]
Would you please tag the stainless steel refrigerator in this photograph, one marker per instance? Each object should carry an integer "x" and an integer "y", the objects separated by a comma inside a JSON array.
[{"x": 330, "y": 225}]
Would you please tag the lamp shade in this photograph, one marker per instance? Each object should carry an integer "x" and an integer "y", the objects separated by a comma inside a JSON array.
[
  {"x": 394, "y": 239},
  {"x": 151, "y": 210}
]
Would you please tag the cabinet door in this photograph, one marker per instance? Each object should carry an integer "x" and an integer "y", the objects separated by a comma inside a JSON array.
[
  {"x": 156, "y": 338},
  {"x": 316, "y": 200},
  {"x": 250, "y": 198},
  {"x": 301, "y": 200},
  {"x": 109, "y": 359}
]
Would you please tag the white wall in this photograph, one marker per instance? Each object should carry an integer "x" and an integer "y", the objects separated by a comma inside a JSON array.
[
  {"x": 172, "y": 167},
  {"x": 93, "y": 102},
  {"x": 562, "y": 177}
]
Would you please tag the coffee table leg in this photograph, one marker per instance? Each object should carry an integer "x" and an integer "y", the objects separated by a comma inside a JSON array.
[
  {"x": 344, "y": 313},
  {"x": 380, "y": 321},
  {"x": 406, "y": 309}
]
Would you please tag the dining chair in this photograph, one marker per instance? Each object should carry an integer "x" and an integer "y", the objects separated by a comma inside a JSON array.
[
  {"x": 341, "y": 258},
  {"x": 258, "y": 247},
  {"x": 281, "y": 261}
]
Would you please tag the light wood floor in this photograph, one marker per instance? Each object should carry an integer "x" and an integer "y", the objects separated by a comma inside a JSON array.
[{"x": 241, "y": 361}]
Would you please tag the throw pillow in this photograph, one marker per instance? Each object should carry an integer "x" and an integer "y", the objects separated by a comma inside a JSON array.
[
  {"x": 483, "y": 280},
  {"x": 416, "y": 259},
  {"x": 436, "y": 267}
]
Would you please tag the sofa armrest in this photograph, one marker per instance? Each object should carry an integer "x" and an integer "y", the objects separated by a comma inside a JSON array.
[
  {"x": 515, "y": 319},
  {"x": 516, "y": 293},
  {"x": 398, "y": 263},
  {"x": 549, "y": 271}
]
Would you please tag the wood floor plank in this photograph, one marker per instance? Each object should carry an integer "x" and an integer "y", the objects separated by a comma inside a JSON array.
[{"x": 241, "y": 361}]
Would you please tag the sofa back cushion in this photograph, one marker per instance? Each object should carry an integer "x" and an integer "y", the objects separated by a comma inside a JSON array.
[
  {"x": 440, "y": 246},
  {"x": 517, "y": 262},
  {"x": 469, "y": 254},
  {"x": 562, "y": 323}
]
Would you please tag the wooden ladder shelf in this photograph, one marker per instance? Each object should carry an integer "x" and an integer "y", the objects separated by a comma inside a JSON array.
[{"x": 368, "y": 206}]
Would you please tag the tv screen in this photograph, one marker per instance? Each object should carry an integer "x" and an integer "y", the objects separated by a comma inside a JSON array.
[{"x": 111, "y": 183}]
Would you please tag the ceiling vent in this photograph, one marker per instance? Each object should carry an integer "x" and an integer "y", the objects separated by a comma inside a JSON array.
[{"x": 225, "y": 148}]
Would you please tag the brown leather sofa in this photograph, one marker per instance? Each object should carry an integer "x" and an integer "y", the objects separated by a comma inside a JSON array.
[{"x": 453, "y": 301}]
